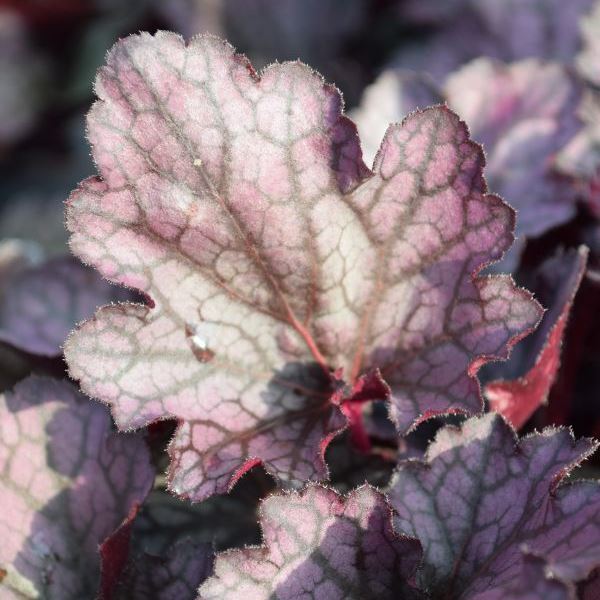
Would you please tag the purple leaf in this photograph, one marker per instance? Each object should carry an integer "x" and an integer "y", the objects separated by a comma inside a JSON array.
[
  {"x": 532, "y": 583},
  {"x": 508, "y": 30},
  {"x": 522, "y": 113},
  {"x": 588, "y": 60},
  {"x": 581, "y": 157},
  {"x": 131, "y": 574},
  {"x": 277, "y": 264},
  {"x": 66, "y": 482},
  {"x": 538, "y": 358},
  {"x": 482, "y": 497},
  {"x": 40, "y": 305},
  {"x": 318, "y": 544}
]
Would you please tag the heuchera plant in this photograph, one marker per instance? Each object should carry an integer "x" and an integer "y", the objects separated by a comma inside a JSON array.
[{"x": 283, "y": 286}]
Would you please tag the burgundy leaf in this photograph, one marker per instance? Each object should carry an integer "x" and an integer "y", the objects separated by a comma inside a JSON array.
[
  {"x": 39, "y": 306},
  {"x": 66, "y": 482},
  {"x": 276, "y": 262},
  {"x": 318, "y": 544},
  {"x": 518, "y": 398},
  {"x": 482, "y": 497},
  {"x": 522, "y": 113}
]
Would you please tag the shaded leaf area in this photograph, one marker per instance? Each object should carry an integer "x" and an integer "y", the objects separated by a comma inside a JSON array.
[
  {"x": 523, "y": 113},
  {"x": 259, "y": 316},
  {"x": 40, "y": 305},
  {"x": 509, "y": 30},
  {"x": 318, "y": 544},
  {"x": 128, "y": 573},
  {"x": 67, "y": 482},
  {"x": 481, "y": 498},
  {"x": 522, "y": 384}
]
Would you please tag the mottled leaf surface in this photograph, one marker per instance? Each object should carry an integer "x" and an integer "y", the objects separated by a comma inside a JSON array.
[
  {"x": 66, "y": 482},
  {"x": 318, "y": 544},
  {"x": 40, "y": 305},
  {"x": 276, "y": 262},
  {"x": 482, "y": 497},
  {"x": 517, "y": 398}
]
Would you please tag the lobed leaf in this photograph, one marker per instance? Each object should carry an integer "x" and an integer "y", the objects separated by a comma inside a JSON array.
[
  {"x": 518, "y": 397},
  {"x": 66, "y": 482},
  {"x": 523, "y": 114},
  {"x": 481, "y": 498},
  {"x": 40, "y": 305},
  {"x": 318, "y": 544},
  {"x": 276, "y": 262}
]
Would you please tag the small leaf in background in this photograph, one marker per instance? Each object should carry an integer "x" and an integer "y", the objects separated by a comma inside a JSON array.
[
  {"x": 40, "y": 305},
  {"x": 276, "y": 262},
  {"x": 507, "y": 30},
  {"x": 481, "y": 498},
  {"x": 321, "y": 545},
  {"x": 66, "y": 483},
  {"x": 535, "y": 365}
]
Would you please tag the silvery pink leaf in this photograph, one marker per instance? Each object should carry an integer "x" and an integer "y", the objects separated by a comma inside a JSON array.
[
  {"x": 40, "y": 305},
  {"x": 278, "y": 266},
  {"x": 318, "y": 544},
  {"x": 535, "y": 363},
  {"x": 481, "y": 498},
  {"x": 66, "y": 483},
  {"x": 509, "y": 30}
]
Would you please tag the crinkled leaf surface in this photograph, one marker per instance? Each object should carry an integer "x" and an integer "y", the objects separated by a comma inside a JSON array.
[
  {"x": 517, "y": 398},
  {"x": 66, "y": 482},
  {"x": 482, "y": 497},
  {"x": 276, "y": 261},
  {"x": 318, "y": 544},
  {"x": 40, "y": 305}
]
